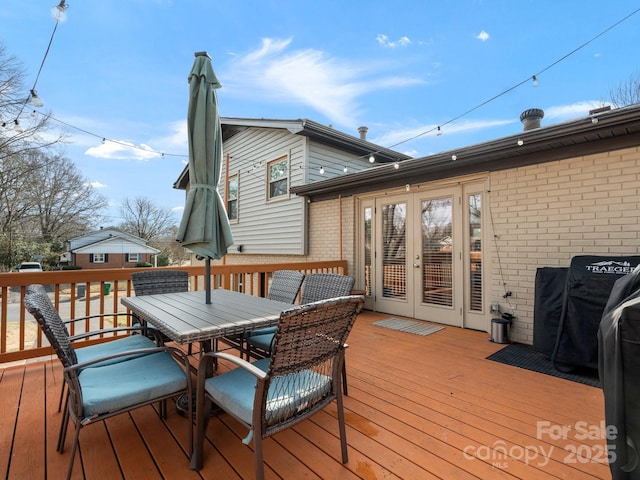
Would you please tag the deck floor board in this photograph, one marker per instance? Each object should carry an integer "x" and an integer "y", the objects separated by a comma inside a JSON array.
[{"x": 418, "y": 407}]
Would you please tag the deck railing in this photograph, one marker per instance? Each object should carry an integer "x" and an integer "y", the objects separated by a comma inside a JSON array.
[{"x": 82, "y": 293}]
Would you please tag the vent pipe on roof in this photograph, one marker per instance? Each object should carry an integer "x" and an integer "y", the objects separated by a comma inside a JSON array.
[
  {"x": 531, "y": 118},
  {"x": 363, "y": 132}
]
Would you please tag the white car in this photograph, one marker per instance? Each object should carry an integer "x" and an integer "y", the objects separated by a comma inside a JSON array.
[{"x": 30, "y": 267}]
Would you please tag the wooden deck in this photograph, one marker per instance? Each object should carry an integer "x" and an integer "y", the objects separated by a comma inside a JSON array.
[{"x": 418, "y": 408}]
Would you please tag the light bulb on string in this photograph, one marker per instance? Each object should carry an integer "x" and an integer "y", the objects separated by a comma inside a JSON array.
[
  {"x": 321, "y": 170},
  {"x": 17, "y": 127},
  {"x": 535, "y": 81},
  {"x": 454, "y": 157},
  {"x": 345, "y": 169},
  {"x": 58, "y": 12},
  {"x": 439, "y": 132},
  {"x": 396, "y": 165},
  {"x": 520, "y": 142},
  {"x": 372, "y": 159},
  {"x": 35, "y": 99}
]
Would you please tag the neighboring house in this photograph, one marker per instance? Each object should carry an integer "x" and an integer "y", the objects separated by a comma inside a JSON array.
[
  {"x": 109, "y": 248},
  {"x": 264, "y": 159}
]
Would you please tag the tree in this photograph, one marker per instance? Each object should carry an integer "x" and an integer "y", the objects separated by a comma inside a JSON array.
[
  {"x": 627, "y": 92},
  {"x": 145, "y": 220},
  {"x": 64, "y": 202},
  {"x": 27, "y": 134}
]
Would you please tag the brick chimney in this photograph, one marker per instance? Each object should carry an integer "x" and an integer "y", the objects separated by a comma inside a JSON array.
[
  {"x": 531, "y": 118},
  {"x": 363, "y": 132}
]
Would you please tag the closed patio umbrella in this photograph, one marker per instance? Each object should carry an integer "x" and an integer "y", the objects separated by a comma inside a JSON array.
[{"x": 204, "y": 228}]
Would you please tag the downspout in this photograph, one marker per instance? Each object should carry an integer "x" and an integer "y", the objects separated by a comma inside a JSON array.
[
  {"x": 340, "y": 224},
  {"x": 226, "y": 192}
]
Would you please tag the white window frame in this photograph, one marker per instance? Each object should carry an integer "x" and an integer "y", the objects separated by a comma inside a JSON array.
[
  {"x": 285, "y": 195},
  {"x": 232, "y": 178},
  {"x": 131, "y": 255},
  {"x": 98, "y": 258}
]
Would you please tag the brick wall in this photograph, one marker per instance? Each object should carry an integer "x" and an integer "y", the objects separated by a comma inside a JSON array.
[
  {"x": 545, "y": 214},
  {"x": 116, "y": 260}
]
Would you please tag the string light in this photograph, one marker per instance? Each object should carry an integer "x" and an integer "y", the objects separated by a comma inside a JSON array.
[
  {"x": 520, "y": 142},
  {"x": 345, "y": 169},
  {"x": 59, "y": 15},
  {"x": 17, "y": 127},
  {"x": 396, "y": 165},
  {"x": 59, "y": 11},
  {"x": 35, "y": 99},
  {"x": 454, "y": 157}
]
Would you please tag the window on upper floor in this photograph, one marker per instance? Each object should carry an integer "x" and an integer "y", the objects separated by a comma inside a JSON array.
[
  {"x": 133, "y": 257},
  {"x": 232, "y": 197},
  {"x": 278, "y": 178}
]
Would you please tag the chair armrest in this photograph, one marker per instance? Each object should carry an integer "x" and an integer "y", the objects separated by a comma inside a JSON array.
[
  {"x": 92, "y": 333},
  {"x": 209, "y": 357},
  {"x": 130, "y": 353},
  {"x": 97, "y": 315}
]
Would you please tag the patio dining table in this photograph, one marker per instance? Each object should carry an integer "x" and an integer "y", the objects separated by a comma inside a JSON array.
[{"x": 185, "y": 317}]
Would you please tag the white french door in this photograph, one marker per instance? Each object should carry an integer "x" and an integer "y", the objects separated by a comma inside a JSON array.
[{"x": 424, "y": 255}]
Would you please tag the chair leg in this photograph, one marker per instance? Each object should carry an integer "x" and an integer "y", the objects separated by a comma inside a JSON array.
[
  {"x": 203, "y": 412},
  {"x": 257, "y": 456},
  {"x": 63, "y": 425},
  {"x": 342, "y": 428},
  {"x": 62, "y": 390},
  {"x": 73, "y": 450},
  {"x": 344, "y": 379}
]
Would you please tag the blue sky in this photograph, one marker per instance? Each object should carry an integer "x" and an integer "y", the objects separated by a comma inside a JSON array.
[{"x": 118, "y": 70}]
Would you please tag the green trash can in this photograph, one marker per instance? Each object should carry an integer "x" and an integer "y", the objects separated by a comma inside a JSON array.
[{"x": 107, "y": 288}]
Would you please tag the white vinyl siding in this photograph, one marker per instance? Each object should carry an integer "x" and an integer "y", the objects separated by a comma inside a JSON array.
[
  {"x": 267, "y": 228},
  {"x": 333, "y": 161}
]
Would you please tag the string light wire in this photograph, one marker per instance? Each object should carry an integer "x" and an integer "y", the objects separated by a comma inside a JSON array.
[{"x": 371, "y": 154}]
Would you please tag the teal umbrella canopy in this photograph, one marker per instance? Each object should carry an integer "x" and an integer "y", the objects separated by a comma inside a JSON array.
[{"x": 204, "y": 228}]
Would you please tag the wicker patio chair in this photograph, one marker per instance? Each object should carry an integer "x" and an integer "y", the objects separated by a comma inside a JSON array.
[
  {"x": 300, "y": 379},
  {"x": 116, "y": 383},
  {"x": 151, "y": 282},
  {"x": 120, "y": 344},
  {"x": 285, "y": 285},
  {"x": 316, "y": 286}
]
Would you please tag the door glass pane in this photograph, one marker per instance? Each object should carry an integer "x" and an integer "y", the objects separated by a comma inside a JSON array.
[
  {"x": 367, "y": 250},
  {"x": 475, "y": 263},
  {"x": 437, "y": 248},
  {"x": 394, "y": 248}
]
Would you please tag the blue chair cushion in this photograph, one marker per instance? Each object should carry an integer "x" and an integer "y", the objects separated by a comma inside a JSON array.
[
  {"x": 263, "y": 331},
  {"x": 234, "y": 392},
  {"x": 113, "y": 387},
  {"x": 124, "y": 344},
  {"x": 263, "y": 342}
]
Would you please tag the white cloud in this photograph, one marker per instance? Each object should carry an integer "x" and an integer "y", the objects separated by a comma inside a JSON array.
[
  {"x": 119, "y": 149},
  {"x": 385, "y": 42},
  {"x": 97, "y": 185},
  {"x": 484, "y": 36},
  {"x": 331, "y": 86},
  {"x": 567, "y": 112}
]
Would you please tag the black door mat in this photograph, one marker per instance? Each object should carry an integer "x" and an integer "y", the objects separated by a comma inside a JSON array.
[{"x": 524, "y": 356}]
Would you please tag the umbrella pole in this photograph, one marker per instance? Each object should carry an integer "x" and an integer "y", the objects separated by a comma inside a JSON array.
[{"x": 207, "y": 280}]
